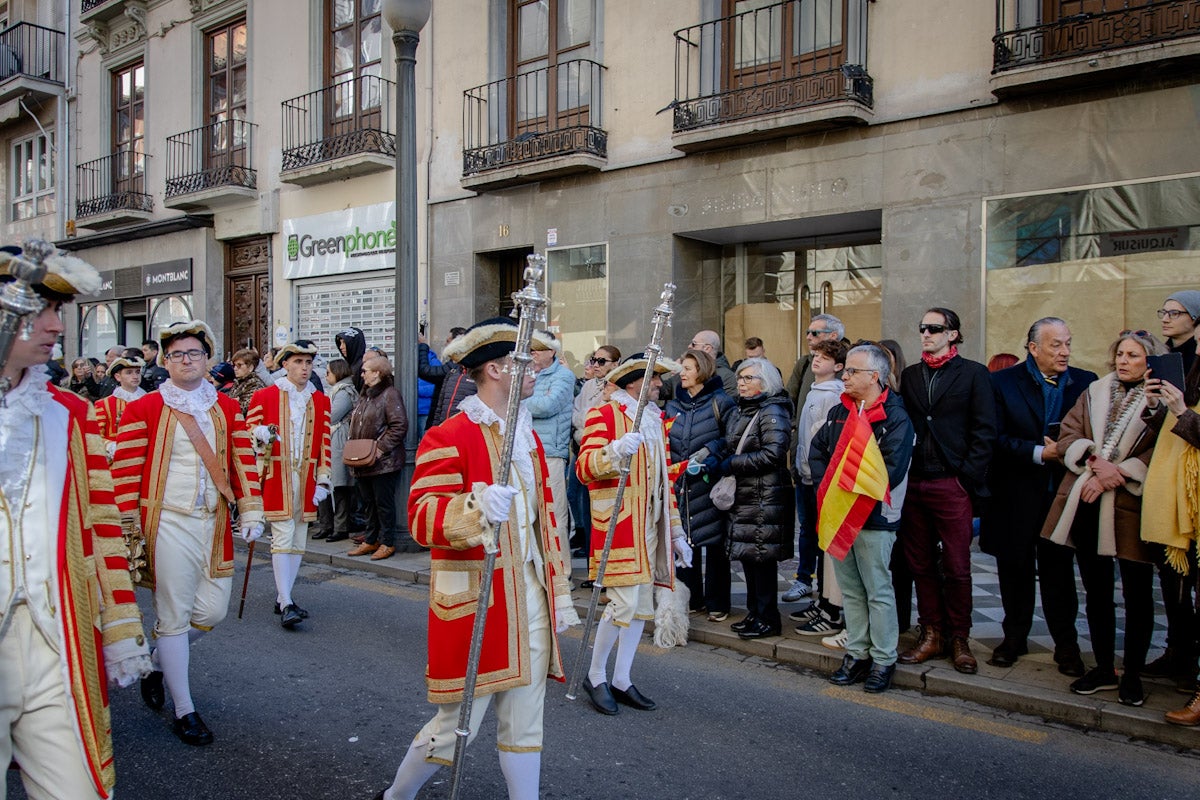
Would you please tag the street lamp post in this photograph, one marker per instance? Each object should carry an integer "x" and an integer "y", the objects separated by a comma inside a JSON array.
[{"x": 406, "y": 18}]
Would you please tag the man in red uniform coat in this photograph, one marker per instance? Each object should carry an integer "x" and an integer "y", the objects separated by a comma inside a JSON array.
[
  {"x": 69, "y": 622},
  {"x": 648, "y": 533},
  {"x": 127, "y": 372},
  {"x": 183, "y": 456},
  {"x": 455, "y": 504},
  {"x": 290, "y": 420}
]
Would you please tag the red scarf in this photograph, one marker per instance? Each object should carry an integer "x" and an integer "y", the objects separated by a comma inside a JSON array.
[{"x": 937, "y": 362}]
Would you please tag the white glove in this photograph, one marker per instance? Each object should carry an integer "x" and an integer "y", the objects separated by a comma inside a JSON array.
[
  {"x": 628, "y": 444},
  {"x": 496, "y": 500},
  {"x": 683, "y": 551},
  {"x": 252, "y": 531},
  {"x": 262, "y": 433},
  {"x": 110, "y": 447},
  {"x": 321, "y": 493}
]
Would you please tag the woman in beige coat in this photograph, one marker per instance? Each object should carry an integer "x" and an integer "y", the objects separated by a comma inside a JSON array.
[{"x": 1106, "y": 448}]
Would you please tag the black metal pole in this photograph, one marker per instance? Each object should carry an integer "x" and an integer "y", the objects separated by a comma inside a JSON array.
[{"x": 405, "y": 43}]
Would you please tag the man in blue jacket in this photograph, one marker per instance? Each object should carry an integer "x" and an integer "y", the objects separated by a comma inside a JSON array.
[
  {"x": 862, "y": 567},
  {"x": 550, "y": 406}
]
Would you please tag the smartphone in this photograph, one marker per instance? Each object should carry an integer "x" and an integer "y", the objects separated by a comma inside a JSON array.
[
  {"x": 1054, "y": 430},
  {"x": 1168, "y": 367}
]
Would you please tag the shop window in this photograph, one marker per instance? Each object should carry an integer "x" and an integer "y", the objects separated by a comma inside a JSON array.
[
  {"x": 578, "y": 292},
  {"x": 166, "y": 311},
  {"x": 1103, "y": 259},
  {"x": 97, "y": 329},
  {"x": 32, "y": 169},
  {"x": 772, "y": 291}
]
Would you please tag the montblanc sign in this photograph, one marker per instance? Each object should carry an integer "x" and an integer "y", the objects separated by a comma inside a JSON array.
[
  {"x": 167, "y": 277},
  {"x": 353, "y": 240}
]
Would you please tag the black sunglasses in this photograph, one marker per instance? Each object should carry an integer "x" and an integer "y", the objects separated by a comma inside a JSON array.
[
  {"x": 1134, "y": 333},
  {"x": 599, "y": 360},
  {"x": 924, "y": 328}
]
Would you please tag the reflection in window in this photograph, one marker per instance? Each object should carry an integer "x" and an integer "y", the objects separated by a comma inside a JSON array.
[
  {"x": 98, "y": 329},
  {"x": 166, "y": 311},
  {"x": 1104, "y": 259},
  {"x": 578, "y": 290}
]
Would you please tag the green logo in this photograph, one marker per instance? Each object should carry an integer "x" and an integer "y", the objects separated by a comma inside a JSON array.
[{"x": 293, "y": 247}]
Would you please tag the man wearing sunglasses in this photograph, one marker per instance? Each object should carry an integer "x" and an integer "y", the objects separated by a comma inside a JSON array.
[{"x": 950, "y": 402}]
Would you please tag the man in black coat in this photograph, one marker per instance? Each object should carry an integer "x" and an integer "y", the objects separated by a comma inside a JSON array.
[
  {"x": 949, "y": 400},
  {"x": 1031, "y": 399}
]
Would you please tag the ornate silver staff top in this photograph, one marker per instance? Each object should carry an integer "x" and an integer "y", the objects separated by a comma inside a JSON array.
[{"x": 18, "y": 298}]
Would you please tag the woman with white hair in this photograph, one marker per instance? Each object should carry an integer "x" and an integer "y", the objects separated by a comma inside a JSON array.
[
  {"x": 755, "y": 453},
  {"x": 1106, "y": 447}
]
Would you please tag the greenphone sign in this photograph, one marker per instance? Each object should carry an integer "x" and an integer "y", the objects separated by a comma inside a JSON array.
[{"x": 353, "y": 240}]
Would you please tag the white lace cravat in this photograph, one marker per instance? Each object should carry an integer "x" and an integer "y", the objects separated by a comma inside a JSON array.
[
  {"x": 18, "y": 435},
  {"x": 523, "y": 443},
  {"x": 121, "y": 394},
  {"x": 297, "y": 405}
]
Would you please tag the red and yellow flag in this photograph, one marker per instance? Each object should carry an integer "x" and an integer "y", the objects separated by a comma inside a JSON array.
[{"x": 856, "y": 480}]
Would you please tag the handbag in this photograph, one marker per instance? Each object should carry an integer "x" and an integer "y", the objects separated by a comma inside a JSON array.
[
  {"x": 723, "y": 491},
  {"x": 360, "y": 453}
]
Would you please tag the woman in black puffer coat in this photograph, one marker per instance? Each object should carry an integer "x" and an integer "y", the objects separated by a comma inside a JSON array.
[
  {"x": 699, "y": 412},
  {"x": 760, "y": 526}
]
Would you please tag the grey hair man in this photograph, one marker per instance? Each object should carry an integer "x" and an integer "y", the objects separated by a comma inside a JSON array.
[{"x": 710, "y": 342}]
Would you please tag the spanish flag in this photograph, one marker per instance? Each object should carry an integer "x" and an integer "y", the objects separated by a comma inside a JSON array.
[{"x": 856, "y": 480}]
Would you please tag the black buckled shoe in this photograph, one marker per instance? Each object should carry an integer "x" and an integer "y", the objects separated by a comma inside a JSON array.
[
  {"x": 303, "y": 614},
  {"x": 152, "y": 690},
  {"x": 601, "y": 697},
  {"x": 633, "y": 698},
  {"x": 880, "y": 679},
  {"x": 853, "y": 670},
  {"x": 291, "y": 616},
  {"x": 191, "y": 730}
]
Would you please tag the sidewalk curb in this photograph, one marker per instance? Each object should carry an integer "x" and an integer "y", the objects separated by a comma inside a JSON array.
[{"x": 988, "y": 688}]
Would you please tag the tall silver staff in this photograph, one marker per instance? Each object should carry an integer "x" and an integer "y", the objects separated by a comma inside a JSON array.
[
  {"x": 18, "y": 299},
  {"x": 531, "y": 307},
  {"x": 661, "y": 319}
]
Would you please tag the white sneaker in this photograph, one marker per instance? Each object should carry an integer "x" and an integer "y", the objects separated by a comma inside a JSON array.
[
  {"x": 800, "y": 589},
  {"x": 837, "y": 641}
]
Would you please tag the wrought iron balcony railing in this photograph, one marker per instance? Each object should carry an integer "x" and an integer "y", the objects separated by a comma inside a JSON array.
[
  {"x": 32, "y": 51},
  {"x": 782, "y": 57},
  {"x": 115, "y": 182},
  {"x": 1068, "y": 28},
  {"x": 544, "y": 113},
  {"x": 87, "y": 5},
  {"x": 218, "y": 154},
  {"x": 345, "y": 119}
]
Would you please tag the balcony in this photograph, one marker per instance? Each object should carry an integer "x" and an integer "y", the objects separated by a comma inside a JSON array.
[
  {"x": 211, "y": 167},
  {"x": 533, "y": 126},
  {"x": 780, "y": 70},
  {"x": 339, "y": 131},
  {"x": 112, "y": 190},
  {"x": 101, "y": 10},
  {"x": 1069, "y": 43},
  {"x": 30, "y": 63}
]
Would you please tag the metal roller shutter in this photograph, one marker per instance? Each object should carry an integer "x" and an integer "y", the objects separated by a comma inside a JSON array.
[{"x": 326, "y": 307}]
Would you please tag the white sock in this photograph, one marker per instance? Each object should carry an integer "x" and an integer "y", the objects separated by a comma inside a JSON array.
[
  {"x": 522, "y": 773},
  {"x": 173, "y": 656},
  {"x": 606, "y": 637},
  {"x": 413, "y": 773},
  {"x": 195, "y": 634},
  {"x": 283, "y": 581},
  {"x": 626, "y": 649}
]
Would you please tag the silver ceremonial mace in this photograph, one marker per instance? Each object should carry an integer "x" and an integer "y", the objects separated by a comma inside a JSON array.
[
  {"x": 531, "y": 306},
  {"x": 662, "y": 321},
  {"x": 17, "y": 300}
]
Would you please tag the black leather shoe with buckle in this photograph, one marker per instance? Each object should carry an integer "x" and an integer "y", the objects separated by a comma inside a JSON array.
[
  {"x": 152, "y": 690},
  {"x": 303, "y": 614},
  {"x": 291, "y": 616}
]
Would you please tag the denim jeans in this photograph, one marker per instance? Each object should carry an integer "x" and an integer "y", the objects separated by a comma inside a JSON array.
[
  {"x": 806, "y": 532},
  {"x": 870, "y": 601}
]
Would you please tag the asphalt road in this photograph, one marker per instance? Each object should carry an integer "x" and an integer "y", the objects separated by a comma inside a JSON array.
[{"x": 327, "y": 710}]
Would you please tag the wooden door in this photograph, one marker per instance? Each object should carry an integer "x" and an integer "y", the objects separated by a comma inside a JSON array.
[{"x": 248, "y": 294}]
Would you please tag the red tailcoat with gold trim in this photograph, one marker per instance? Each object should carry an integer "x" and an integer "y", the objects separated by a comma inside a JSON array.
[
  {"x": 108, "y": 415},
  {"x": 628, "y": 561},
  {"x": 97, "y": 601},
  {"x": 452, "y": 458},
  {"x": 143, "y": 454},
  {"x": 272, "y": 406}
]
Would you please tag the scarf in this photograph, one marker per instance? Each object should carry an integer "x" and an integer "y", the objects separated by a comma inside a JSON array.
[
  {"x": 855, "y": 482},
  {"x": 1171, "y": 496},
  {"x": 1052, "y": 394},
  {"x": 937, "y": 362}
]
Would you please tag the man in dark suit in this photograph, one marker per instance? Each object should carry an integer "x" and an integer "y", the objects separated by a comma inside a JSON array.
[
  {"x": 949, "y": 400},
  {"x": 1031, "y": 399}
]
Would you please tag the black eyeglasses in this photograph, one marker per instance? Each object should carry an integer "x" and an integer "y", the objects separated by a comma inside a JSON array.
[
  {"x": 817, "y": 332},
  {"x": 1172, "y": 313},
  {"x": 601, "y": 361},
  {"x": 191, "y": 355},
  {"x": 925, "y": 328},
  {"x": 1134, "y": 333}
]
